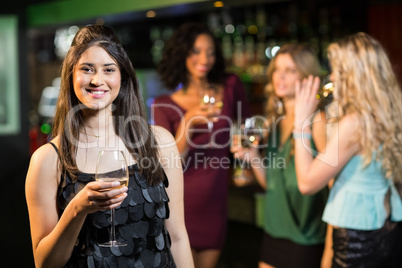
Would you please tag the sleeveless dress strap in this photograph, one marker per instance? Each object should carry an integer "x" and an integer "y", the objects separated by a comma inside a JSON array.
[
  {"x": 55, "y": 148},
  {"x": 63, "y": 178}
]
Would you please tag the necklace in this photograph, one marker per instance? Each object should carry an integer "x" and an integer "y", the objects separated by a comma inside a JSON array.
[{"x": 96, "y": 136}]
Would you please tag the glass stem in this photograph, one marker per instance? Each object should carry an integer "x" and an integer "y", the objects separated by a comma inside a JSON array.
[{"x": 112, "y": 234}]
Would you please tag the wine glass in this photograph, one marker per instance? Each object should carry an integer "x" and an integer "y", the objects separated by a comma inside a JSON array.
[
  {"x": 249, "y": 133},
  {"x": 242, "y": 175},
  {"x": 256, "y": 130},
  {"x": 325, "y": 92},
  {"x": 209, "y": 101},
  {"x": 112, "y": 166}
]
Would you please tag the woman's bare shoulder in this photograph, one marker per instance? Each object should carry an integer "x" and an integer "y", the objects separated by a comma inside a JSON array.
[
  {"x": 43, "y": 177},
  {"x": 45, "y": 156},
  {"x": 164, "y": 139},
  {"x": 349, "y": 123},
  {"x": 162, "y": 134},
  {"x": 44, "y": 152},
  {"x": 348, "y": 134}
]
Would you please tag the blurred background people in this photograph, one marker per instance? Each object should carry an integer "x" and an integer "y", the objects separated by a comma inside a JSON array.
[
  {"x": 294, "y": 234},
  {"x": 199, "y": 113},
  {"x": 364, "y": 153}
]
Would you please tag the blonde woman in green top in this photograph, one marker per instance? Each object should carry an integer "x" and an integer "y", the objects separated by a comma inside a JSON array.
[{"x": 294, "y": 234}]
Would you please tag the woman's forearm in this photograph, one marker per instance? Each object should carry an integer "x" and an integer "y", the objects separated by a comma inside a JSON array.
[
  {"x": 303, "y": 161},
  {"x": 182, "y": 136},
  {"x": 256, "y": 163},
  {"x": 181, "y": 253},
  {"x": 55, "y": 249}
]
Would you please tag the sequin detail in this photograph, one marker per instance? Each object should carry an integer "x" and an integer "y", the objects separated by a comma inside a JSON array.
[
  {"x": 140, "y": 222},
  {"x": 379, "y": 248}
]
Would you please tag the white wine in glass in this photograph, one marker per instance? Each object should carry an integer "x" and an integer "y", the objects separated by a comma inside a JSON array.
[
  {"x": 112, "y": 166},
  {"x": 210, "y": 103}
]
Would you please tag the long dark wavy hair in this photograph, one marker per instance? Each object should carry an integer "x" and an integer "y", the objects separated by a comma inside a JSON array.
[
  {"x": 172, "y": 67},
  {"x": 136, "y": 134}
]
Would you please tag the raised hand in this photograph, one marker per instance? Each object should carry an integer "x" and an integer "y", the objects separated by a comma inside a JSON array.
[
  {"x": 202, "y": 114},
  {"x": 241, "y": 152},
  {"x": 306, "y": 101}
]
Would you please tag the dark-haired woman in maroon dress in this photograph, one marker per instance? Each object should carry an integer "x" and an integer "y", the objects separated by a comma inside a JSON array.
[{"x": 192, "y": 64}]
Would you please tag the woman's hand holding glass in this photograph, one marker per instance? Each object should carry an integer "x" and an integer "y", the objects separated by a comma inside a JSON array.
[
  {"x": 201, "y": 115},
  {"x": 210, "y": 103},
  {"x": 243, "y": 174},
  {"x": 245, "y": 138},
  {"x": 98, "y": 195},
  {"x": 208, "y": 110},
  {"x": 112, "y": 167}
]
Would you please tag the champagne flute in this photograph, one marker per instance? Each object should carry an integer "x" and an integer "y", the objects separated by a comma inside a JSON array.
[{"x": 112, "y": 166}]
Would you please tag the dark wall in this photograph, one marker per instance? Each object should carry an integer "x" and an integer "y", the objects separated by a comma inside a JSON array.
[
  {"x": 385, "y": 24},
  {"x": 14, "y": 159}
]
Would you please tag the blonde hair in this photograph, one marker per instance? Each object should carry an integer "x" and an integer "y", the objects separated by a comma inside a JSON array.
[
  {"x": 306, "y": 63},
  {"x": 366, "y": 85}
]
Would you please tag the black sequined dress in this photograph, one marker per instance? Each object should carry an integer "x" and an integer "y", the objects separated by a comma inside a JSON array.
[{"x": 140, "y": 222}]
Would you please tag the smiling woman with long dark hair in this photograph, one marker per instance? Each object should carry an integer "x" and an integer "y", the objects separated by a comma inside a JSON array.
[{"x": 100, "y": 108}]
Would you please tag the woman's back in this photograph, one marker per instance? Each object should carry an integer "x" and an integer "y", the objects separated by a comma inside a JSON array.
[{"x": 357, "y": 197}]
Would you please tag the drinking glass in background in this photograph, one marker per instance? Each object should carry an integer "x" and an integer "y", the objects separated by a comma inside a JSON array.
[
  {"x": 210, "y": 102},
  {"x": 247, "y": 133},
  {"x": 256, "y": 130},
  {"x": 325, "y": 92},
  {"x": 242, "y": 174},
  {"x": 112, "y": 166}
]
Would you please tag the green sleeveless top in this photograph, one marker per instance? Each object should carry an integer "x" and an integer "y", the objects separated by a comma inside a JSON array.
[{"x": 287, "y": 213}]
